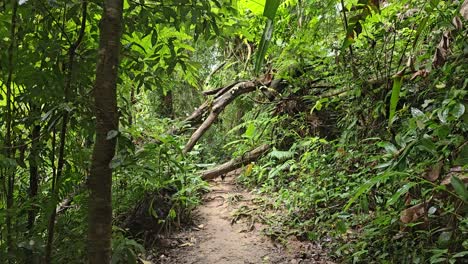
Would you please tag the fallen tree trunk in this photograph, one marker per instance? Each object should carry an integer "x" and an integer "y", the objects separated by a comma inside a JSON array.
[
  {"x": 196, "y": 118},
  {"x": 216, "y": 107},
  {"x": 235, "y": 163}
]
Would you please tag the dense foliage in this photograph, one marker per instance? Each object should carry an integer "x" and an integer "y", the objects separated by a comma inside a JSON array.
[{"x": 367, "y": 123}]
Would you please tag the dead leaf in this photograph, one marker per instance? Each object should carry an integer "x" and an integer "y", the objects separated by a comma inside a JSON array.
[
  {"x": 423, "y": 73},
  {"x": 145, "y": 261},
  {"x": 464, "y": 10},
  {"x": 442, "y": 50},
  {"x": 413, "y": 213},
  {"x": 434, "y": 173},
  {"x": 408, "y": 199},
  {"x": 457, "y": 23},
  {"x": 447, "y": 180},
  {"x": 401, "y": 73},
  {"x": 186, "y": 245},
  {"x": 438, "y": 59},
  {"x": 456, "y": 169}
]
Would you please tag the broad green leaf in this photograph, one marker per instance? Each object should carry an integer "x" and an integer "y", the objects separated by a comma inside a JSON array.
[
  {"x": 318, "y": 105},
  {"x": 281, "y": 155},
  {"x": 154, "y": 38},
  {"x": 427, "y": 145},
  {"x": 416, "y": 112},
  {"x": 397, "y": 81},
  {"x": 402, "y": 191},
  {"x": 443, "y": 114},
  {"x": 250, "y": 131},
  {"x": 460, "y": 254},
  {"x": 264, "y": 43},
  {"x": 256, "y": 7},
  {"x": 271, "y": 6},
  {"x": 131, "y": 257},
  {"x": 444, "y": 238},
  {"x": 459, "y": 187},
  {"x": 172, "y": 213},
  {"x": 384, "y": 165},
  {"x": 347, "y": 42},
  {"x": 389, "y": 147},
  {"x": 370, "y": 183},
  {"x": 458, "y": 110},
  {"x": 462, "y": 158}
]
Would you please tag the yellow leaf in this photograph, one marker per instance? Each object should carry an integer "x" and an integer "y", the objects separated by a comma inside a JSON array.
[{"x": 248, "y": 169}]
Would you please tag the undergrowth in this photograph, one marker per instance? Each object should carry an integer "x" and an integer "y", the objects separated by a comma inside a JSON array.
[{"x": 385, "y": 195}]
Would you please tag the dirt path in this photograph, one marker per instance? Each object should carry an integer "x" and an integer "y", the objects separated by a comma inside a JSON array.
[{"x": 217, "y": 239}]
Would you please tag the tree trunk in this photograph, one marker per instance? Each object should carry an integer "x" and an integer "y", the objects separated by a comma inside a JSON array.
[
  {"x": 105, "y": 103},
  {"x": 10, "y": 153},
  {"x": 33, "y": 172},
  {"x": 168, "y": 106},
  {"x": 63, "y": 133}
]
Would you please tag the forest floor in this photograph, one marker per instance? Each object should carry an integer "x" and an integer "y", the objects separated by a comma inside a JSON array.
[{"x": 223, "y": 233}]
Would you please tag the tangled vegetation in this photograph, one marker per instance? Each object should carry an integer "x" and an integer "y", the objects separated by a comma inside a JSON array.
[{"x": 360, "y": 106}]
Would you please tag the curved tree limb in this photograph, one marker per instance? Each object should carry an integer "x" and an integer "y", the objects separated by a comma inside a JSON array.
[
  {"x": 235, "y": 163},
  {"x": 217, "y": 106}
]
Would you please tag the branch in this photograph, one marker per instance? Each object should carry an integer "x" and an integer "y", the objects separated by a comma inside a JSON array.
[
  {"x": 235, "y": 163},
  {"x": 221, "y": 90},
  {"x": 217, "y": 107}
]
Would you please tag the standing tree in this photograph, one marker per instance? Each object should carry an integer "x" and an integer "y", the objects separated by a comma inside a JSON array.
[{"x": 105, "y": 102}]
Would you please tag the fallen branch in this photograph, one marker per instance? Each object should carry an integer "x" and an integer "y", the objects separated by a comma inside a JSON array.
[
  {"x": 219, "y": 91},
  {"x": 217, "y": 106},
  {"x": 235, "y": 163}
]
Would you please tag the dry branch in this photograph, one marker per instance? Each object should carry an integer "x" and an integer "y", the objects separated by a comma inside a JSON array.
[
  {"x": 235, "y": 163},
  {"x": 215, "y": 108},
  {"x": 219, "y": 91}
]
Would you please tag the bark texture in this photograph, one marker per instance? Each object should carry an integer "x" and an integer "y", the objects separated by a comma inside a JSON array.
[
  {"x": 222, "y": 98},
  {"x": 235, "y": 163},
  {"x": 105, "y": 96}
]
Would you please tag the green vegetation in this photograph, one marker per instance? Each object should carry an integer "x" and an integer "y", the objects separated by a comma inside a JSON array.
[{"x": 363, "y": 105}]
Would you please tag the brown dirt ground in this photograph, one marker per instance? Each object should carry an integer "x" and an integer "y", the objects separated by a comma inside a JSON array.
[{"x": 215, "y": 238}]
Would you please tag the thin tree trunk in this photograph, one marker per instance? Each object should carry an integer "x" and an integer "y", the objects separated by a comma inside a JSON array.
[
  {"x": 9, "y": 153},
  {"x": 33, "y": 172},
  {"x": 133, "y": 102},
  {"x": 105, "y": 103},
  {"x": 168, "y": 106},
  {"x": 63, "y": 134}
]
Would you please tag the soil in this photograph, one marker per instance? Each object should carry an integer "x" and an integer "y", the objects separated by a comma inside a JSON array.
[{"x": 219, "y": 235}]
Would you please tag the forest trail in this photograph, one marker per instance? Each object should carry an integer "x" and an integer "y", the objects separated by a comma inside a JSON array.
[{"x": 219, "y": 235}]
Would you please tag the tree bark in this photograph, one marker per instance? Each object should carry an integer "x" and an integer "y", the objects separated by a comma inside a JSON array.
[
  {"x": 217, "y": 106},
  {"x": 235, "y": 163},
  {"x": 167, "y": 105},
  {"x": 105, "y": 103},
  {"x": 10, "y": 153},
  {"x": 33, "y": 172}
]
